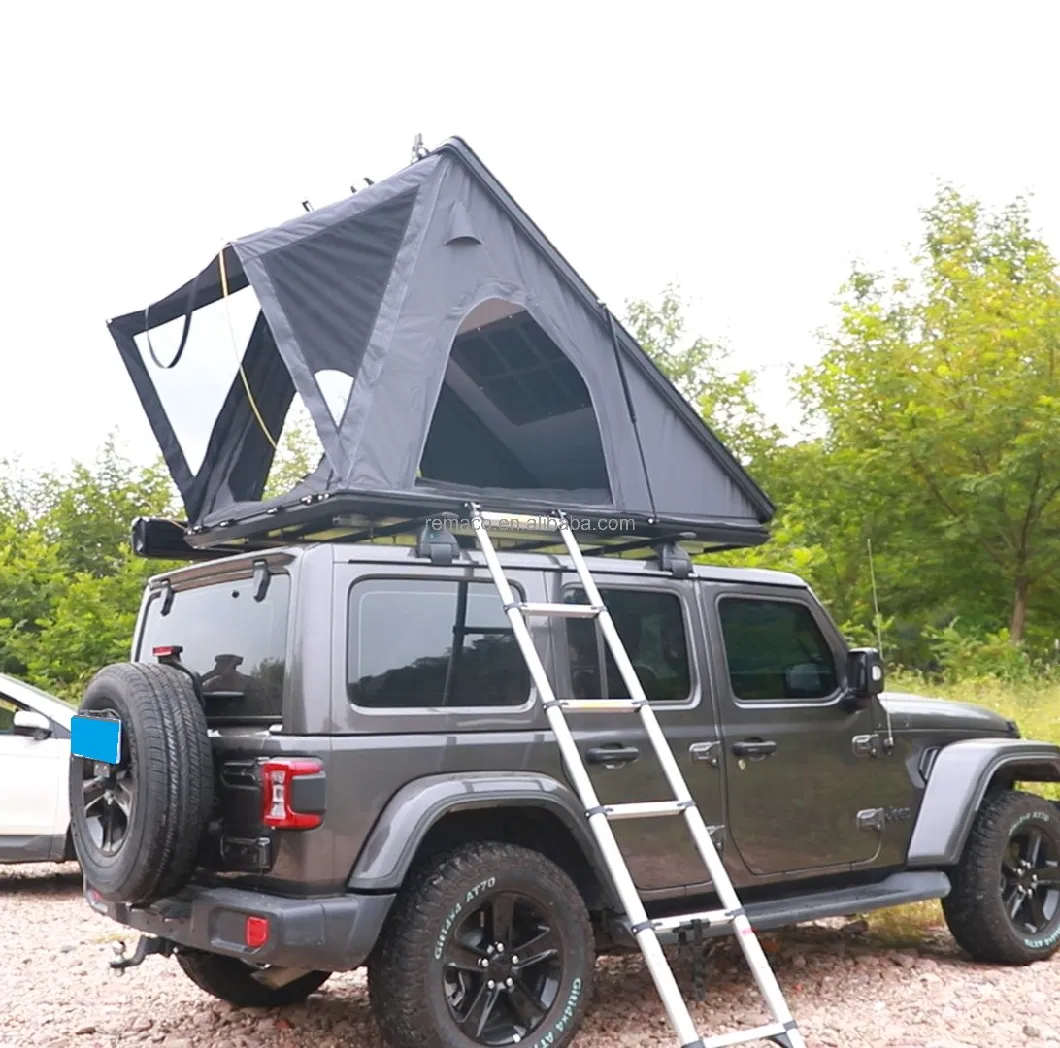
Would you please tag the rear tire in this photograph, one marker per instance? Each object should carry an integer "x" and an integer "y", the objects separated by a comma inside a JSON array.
[
  {"x": 1004, "y": 907},
  {"x": 229, "y": 979},
  {"x": 136, "y": 828},
  {"x": 428, "y": 985}
]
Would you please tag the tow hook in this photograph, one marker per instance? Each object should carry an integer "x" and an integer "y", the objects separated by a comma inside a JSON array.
[{"x": 147, "y": 945}]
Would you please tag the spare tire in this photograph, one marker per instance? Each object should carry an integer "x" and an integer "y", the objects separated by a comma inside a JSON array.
[{"x": 137, "y": 826}]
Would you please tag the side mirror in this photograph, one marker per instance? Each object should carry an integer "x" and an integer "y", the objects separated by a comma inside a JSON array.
[
  {"x": 865, "y": 679},
  {"x": 29, "y": 722}
]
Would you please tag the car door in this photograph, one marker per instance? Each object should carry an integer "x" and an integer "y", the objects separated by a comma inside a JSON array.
[
  {"x": 32, "y": 783},
  {"x": 795, "y": 781},
  {"x": 656, "y": 620}
]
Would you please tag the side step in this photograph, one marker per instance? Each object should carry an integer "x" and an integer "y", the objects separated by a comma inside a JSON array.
[{"x": 899, "y": 888}]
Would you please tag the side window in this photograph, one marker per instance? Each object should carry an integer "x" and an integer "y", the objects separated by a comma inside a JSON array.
[
  {"x": 652, "y": 630},
  {"x": 417, "y": 643},
  {"x": 7, "y": 716},
  {"x": 775, "y": 650}
]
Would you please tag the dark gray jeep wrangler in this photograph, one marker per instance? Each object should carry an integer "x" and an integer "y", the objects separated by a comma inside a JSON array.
[{"x": 331, "y": 756}]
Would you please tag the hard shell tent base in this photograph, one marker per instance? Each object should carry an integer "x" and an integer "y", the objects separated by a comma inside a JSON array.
[{"x": 446, "y": 354}]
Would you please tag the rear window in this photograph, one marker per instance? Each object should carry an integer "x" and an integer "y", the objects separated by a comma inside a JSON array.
[{"x": 236, "y": 644}]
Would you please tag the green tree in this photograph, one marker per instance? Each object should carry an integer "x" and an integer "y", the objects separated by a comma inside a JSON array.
[
  {"x": 88, "y": 510},
  {"x": 941, "y": 389},
  {"x": 70, "y": 586}
]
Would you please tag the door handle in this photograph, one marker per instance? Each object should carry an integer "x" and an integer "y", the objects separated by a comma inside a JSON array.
[
  {"x": 754, "y": 748},
  {"x": 704, "y": 753},
  {"x": 612, "y": 754}
]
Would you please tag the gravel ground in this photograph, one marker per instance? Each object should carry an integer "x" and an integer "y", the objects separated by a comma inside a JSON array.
[{"x": 56, "y": 989}]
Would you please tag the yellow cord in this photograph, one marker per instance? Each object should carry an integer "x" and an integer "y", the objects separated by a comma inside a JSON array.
[{"x": 239, "y": 357}]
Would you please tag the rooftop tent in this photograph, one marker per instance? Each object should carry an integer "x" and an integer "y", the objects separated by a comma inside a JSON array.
[{"x": 445, "y": 351}]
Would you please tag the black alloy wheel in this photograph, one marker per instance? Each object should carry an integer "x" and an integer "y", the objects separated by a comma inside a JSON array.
[
  {"x": 1030, "y": 876},
  {"x": 502, "y": 969},
  {"x": 108, "y": 793}
]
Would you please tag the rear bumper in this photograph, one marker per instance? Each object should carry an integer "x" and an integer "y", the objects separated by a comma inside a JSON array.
[{"x": 332, "y": 934}]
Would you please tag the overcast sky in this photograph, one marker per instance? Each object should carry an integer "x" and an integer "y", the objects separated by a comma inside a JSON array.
[{"x": 748, "y": 152}]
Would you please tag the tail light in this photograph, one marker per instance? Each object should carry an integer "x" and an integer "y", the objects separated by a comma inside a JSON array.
[
  {"x": 294, "y": 793},
  {"x": 256, "y": 933}
]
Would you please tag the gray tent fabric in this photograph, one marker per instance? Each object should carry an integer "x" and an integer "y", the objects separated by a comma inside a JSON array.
[{"x": 473, "y": 364}]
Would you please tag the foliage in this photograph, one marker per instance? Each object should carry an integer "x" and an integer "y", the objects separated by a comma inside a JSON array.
[
  {"x": 69, "y": 584},
  {"x": 971, "y": 656}
]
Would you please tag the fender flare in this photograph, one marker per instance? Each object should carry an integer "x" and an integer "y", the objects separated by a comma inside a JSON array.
[
  {"x": 957, "y": 784},
  {"x": 408, "y": 816}
]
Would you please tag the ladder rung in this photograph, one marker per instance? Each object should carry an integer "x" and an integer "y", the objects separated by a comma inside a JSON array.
[
  {"x": 670, "y": 924},
  {"x": 599, "y": 705},
  {"x": 643, "y": 809},
  {"x": 759, "y": 1033},
  {"x": 525, "y": 521},
  {"x": 560, "y": 611}
]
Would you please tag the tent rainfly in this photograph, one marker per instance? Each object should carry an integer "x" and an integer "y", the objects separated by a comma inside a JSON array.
[{"x": 445, "y": 352}]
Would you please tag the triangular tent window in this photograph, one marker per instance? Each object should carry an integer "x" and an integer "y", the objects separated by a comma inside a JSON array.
[
  {"x": 193, "y": 390},
  {"x": 335, "y": 388}
]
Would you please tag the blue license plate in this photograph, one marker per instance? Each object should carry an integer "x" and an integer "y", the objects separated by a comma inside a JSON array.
[{"x": 96, "y": 739}]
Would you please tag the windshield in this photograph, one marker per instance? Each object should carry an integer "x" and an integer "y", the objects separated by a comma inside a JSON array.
[{"x": 235, "y": 643}]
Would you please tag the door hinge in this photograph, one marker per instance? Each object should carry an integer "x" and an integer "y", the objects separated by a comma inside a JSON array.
[
  {"x": 870, "y": 819},
  {"x": 704, "y": 753},
  {"x": 866, "y": 745}
]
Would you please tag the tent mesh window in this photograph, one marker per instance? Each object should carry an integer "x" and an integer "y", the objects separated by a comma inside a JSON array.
[
  {"x": 520, "y": 369},
  {"x": 514, "y": 412}
]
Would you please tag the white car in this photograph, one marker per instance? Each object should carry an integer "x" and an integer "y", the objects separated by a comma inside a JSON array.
[{"x": 34, "y": 769}]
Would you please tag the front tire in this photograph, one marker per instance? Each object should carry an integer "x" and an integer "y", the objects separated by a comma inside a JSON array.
[
  {"x": 229, "y": 979},
  {"x": 447, "y": 972},
  {"x": 1004, "y": 907}
]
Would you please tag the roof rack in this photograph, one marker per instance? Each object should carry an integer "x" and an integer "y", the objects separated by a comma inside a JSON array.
[{"x": 440, "y": 538}]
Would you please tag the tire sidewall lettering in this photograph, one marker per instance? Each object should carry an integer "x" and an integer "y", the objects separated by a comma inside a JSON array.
[
  {"x": 447, "y": 927},
  {"x": 472, "y": 894},
  {"x": 1026, "y": 817},
  {"x": 1045, "y": 942},
  {"x": 482, "y": 886},
  {"x": 546, "y": 1040}
]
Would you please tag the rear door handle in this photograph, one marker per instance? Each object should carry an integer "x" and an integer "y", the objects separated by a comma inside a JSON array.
[
  {"x": 612, "y": 754},
  {"x": 754, "y": 748}
]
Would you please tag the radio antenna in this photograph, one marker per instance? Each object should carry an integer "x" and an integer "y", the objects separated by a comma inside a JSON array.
[
  {"x": 888, "y": 743},
  {"x": 875, "y": 601}
]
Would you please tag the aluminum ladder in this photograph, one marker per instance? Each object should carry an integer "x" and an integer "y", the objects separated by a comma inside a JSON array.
[{"x": 783, "y": 1030}]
